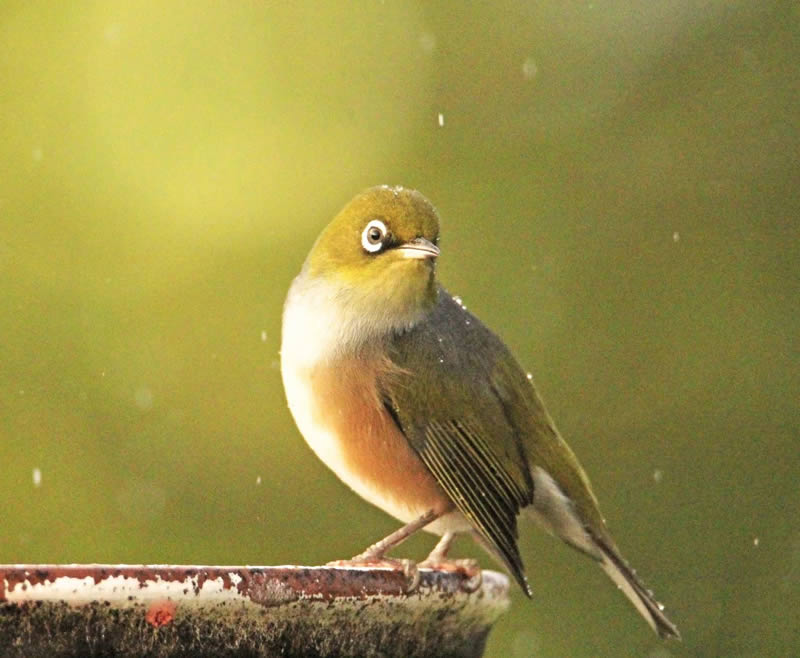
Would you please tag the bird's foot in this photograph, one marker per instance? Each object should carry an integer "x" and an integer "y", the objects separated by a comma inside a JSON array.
[
  {"x": 408, "y": 567},
  {"x": 469, "y": 569}
]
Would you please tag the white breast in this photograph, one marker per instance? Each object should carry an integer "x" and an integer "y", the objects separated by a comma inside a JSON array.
[{"x": 313, "y": 334}]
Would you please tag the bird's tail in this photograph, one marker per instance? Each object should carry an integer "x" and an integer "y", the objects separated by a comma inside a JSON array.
[{"x": 642, "y": 598}]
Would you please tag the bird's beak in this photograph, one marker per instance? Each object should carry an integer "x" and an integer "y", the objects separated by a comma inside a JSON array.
[{"x": 419, "y": 248}]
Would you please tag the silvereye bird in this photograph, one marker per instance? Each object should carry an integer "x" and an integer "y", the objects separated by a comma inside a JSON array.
[{"x": 419, "y": 407}]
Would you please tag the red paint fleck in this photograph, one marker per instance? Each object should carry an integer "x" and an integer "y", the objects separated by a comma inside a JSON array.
[{"x": 161, "y": 613}]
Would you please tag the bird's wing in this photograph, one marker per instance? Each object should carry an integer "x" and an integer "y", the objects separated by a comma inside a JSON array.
[
  {"x": 543, "y": 445},
  {"x": 441, "y": 393}
]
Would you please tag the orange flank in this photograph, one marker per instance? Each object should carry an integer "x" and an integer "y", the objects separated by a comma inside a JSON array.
[{"x": 372, "y": 447}]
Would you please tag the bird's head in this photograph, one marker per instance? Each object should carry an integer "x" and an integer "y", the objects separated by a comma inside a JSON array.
[{"x": 378, "y": 256}]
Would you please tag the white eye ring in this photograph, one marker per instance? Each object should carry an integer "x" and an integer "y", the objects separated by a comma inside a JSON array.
[{"x": 373, "y": 236}]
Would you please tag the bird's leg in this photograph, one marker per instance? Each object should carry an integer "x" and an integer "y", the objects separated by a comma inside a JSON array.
[
  {"x": 379, "y": 549},
  {"x": 437, "y": 559},
  {"x": 374, "y": 555},
  {"x": 439, "y": 552}
]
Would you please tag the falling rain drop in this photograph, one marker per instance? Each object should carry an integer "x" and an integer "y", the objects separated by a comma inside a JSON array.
[
  {"x": 143, "y": 398},
  {"x": 111, "y": 33},
  {"x": 529, "y": 68},
  {"x": 427, "y": 42}
]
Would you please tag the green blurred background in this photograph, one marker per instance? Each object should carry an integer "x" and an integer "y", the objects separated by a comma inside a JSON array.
[{"x": 620, "y": 189}]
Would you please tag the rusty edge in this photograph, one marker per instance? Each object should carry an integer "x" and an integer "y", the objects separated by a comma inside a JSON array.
[{"x": 163, "y": 588}]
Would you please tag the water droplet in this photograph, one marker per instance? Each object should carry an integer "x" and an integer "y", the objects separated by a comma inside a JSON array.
[
  {"x": 676, "y": 236},
  {"x": 441, "y": 360},
  {"x": 111, "y": 33},
  {"x": 441, "y": 119},
  {"x": 658, "y": 475},
  {"x": 143, "y": 397},
  {"x": 529, "y": 68},
  {"x": 264, "y": 336},
  {"x": 525, "y": 643},
  {"x": 258, "y": 480},
  {"x": 755, "y": 541},
  {"x": 427, "y": 42},
  {"x": 529, "y": 376},
  {"x": 140, "y": 499},
  {"x": 37, "y": 477}
]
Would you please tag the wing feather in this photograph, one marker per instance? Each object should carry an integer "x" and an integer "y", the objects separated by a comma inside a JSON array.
[
  {"x": 476, "y": 488},
  {"x": 457, "y": 423}
]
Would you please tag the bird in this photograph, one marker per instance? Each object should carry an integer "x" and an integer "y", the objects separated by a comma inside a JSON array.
[{"x": 420, "y": 408}]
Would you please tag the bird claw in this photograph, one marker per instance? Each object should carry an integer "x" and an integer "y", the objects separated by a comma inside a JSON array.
[{"x": 469, "y": 569}]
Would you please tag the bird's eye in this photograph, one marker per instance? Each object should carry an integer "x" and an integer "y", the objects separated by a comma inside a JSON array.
[{"x": 374, "y": 235}]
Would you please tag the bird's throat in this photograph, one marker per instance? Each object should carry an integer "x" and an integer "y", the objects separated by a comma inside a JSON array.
[{"x": 325, "y": 321}]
